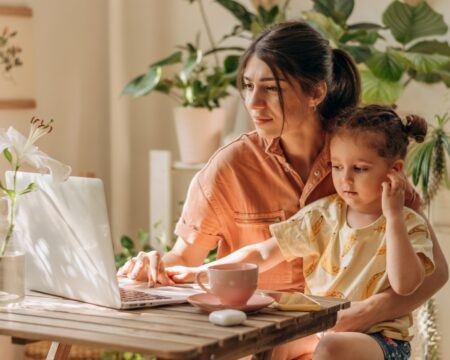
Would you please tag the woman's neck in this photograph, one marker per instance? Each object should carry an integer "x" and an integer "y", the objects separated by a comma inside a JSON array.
[{"x": 302, "y": 148}]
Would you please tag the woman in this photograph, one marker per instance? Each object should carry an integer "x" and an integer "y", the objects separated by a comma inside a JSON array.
[{"x": 293, "y": 85}]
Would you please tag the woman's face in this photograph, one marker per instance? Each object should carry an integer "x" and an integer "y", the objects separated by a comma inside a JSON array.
[{"x": 262, "y": 102}]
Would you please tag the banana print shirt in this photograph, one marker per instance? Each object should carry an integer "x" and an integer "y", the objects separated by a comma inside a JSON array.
[{"x": 339, "y": 261}]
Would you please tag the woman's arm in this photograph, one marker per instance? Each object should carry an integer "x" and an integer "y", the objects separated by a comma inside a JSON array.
[{"x": 389, "y": 305}]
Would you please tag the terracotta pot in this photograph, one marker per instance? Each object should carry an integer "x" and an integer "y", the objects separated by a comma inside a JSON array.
[{"x": 198, "y": 132}]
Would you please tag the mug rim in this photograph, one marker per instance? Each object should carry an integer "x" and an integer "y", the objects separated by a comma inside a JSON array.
[{"x": 234, "y": 267}]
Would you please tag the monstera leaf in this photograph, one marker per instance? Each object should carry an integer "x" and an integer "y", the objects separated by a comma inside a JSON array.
[
  {"x": 407, "y": 22},
  {"x": 239, "y": 11},
  {"x": 325, "y": 25}
]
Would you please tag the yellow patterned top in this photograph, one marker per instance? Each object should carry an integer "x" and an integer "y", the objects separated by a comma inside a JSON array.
[{"x": 339, "y": 261}]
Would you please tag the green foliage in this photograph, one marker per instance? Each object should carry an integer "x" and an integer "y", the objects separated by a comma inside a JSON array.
[
  {"x": 116, "y": 355},
  {"x": 426, "y": 162},
  {"x": 389, "y": 68},
  {"x": 132, "y": 247}
]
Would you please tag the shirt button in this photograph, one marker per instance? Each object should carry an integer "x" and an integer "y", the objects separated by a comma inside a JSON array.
[
  {"x": 286, "y": 169},
  {"x": 317, "y": 173}
]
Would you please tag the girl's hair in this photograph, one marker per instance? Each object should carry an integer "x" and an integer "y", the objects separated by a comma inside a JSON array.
[
  {"x": 295, "y": 50},
  {"x": 393, "y": 132}
]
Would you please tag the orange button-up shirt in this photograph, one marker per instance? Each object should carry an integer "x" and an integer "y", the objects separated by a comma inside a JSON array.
[{"x": 244, "y": 188}]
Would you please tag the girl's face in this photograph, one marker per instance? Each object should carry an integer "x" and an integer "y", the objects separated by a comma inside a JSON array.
[
  {"x": 261, "y": 100},
  {"x": 358, "y": 171}
]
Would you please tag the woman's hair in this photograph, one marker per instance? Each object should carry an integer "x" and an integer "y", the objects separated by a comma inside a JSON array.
[
  {"x": 392, "y": 132},
  {"x": 295, "y": 50}
]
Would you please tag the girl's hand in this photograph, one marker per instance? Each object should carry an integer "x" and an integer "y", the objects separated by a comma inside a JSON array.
[
  {"x": 182, "y": 274},
  {"x": 146, "y": 267},
  {"x": 393, "y": 195}
]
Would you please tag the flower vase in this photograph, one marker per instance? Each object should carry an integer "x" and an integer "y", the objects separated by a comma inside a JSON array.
[{"x": 12, "y": 271}]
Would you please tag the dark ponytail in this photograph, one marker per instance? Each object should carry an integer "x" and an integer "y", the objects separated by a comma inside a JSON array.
[
  {"x": 295, "y": 50},
  {"x": 345, "y": 87}
]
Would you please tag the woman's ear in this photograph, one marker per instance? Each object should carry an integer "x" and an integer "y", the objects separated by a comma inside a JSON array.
[
  {"x": 320, "y": 91},
  {"x": 398, "y": 165}
]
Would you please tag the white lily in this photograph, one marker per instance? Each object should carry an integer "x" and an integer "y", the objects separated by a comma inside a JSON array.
[
  {"x": 26, "y": 152},
  {"x": 18, "y": 149}
]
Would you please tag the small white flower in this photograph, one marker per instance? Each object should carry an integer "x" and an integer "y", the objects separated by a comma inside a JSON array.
[{"x": 26, "y": 152}]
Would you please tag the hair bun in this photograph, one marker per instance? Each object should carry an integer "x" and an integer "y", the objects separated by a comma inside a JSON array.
[{"x": 415, "y": 127}]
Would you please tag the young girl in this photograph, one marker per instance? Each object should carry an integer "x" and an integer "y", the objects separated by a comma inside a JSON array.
[{"x": 361, "y": 240}]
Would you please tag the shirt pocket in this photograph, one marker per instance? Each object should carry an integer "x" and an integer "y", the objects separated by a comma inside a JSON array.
[{"x": 254, "y": 228}]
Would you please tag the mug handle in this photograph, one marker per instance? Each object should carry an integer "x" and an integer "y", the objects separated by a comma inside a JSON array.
[{"x": 197, "y": 280}]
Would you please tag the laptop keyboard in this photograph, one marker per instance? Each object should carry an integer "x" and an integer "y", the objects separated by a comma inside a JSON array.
[{"x": 133, "y": 295}]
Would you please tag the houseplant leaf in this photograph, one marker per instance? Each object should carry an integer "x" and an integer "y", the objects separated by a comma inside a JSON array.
[
  {"x": 423, "y": 63},
  {"x": 239, "y": 11},
  {"x": 386, "y": 65},
  {"x": 407, "y": 22},
  {"x": 174, "y": 58},
  {"x": 359, "y": 52},
  {"x": 325, "y": 25},
  {"x": 194, "y": 59},
  {"x": 338, "y": 10},
  {"x": 143, "y": 84},
  {"x": 432, "y": 47},
  {"x": 379, "y": 91}
]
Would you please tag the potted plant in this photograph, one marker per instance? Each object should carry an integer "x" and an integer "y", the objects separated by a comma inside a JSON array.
[
  {"x": 426, "y": 164},
  {"x": 197, "y": 87}
]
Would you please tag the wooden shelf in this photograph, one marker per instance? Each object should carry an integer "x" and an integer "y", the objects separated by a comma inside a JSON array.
[{"x": 22, "y": 11}]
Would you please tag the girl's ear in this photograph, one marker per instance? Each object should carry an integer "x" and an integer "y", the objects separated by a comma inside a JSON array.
[{"x": 398, "y": 165}]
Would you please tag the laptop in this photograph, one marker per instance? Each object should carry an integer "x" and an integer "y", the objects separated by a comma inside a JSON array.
[{"x": 69, "y": 250}]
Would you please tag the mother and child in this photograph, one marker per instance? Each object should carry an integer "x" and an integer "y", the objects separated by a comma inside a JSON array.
[{"x": 316, "y": 196}]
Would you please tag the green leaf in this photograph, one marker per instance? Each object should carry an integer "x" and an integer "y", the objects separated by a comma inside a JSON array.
[
  {"x": 231, "y": 63},
  {"x": 359, "y": 52},
  {"x": 365, "y": 26},
  {"x": 225, "y": 48},
  {"x": 427, "y": 166},
  {"x": 174, "y": 58},
  {"x": 325, "y": 25},
  {"x": 423, "y": 63},
  {"x": 407, "y": 22},
  {"x": 379, "y": 91},
  {"x": 239, "y": 12},
  {"x": 338, "y": 10},
  {"x": 143, "y": 237},
  {"x": 386, "y": 65},
  {"x": 143, "y": 84},
  {"x": 8, "y": 155},
  {"x": 127, "y": 242},
  {"x": 362, "y": 36},
  {"x": 190, "y": 65},
  {"x": 432, "y": 47},
  {"x": 31, "y": 187}
]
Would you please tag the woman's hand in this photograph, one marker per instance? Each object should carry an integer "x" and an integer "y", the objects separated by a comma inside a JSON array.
[
  {"x": 182, "y": 274},
  {"x": 393, "y": 195},
  {"x": 146, "y": 267}
]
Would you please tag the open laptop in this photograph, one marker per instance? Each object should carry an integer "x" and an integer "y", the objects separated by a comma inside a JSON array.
[{"x": 69, "y": 250}]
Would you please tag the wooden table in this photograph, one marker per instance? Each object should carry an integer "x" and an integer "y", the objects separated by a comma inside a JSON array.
[{"x": 169, "y": 332}]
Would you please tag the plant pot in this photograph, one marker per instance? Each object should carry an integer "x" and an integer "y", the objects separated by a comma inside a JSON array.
[
  {"x": 12, "y": 272},
  {"x": 198, "y": 132}
]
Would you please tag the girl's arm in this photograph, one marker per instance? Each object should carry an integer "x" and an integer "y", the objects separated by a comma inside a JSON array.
[
  {"x": 266, "y": 255},
  {"x": 404, "y": 267}
]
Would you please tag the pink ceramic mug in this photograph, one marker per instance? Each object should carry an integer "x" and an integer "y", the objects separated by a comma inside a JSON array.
[{"x": 233, "y": 284}]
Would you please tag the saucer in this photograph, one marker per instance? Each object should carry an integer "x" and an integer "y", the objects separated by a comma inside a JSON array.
[{"x": 208, "y": 303}]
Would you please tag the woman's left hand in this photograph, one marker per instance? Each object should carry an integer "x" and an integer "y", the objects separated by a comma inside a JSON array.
[{"x": 393, "y": 195}]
